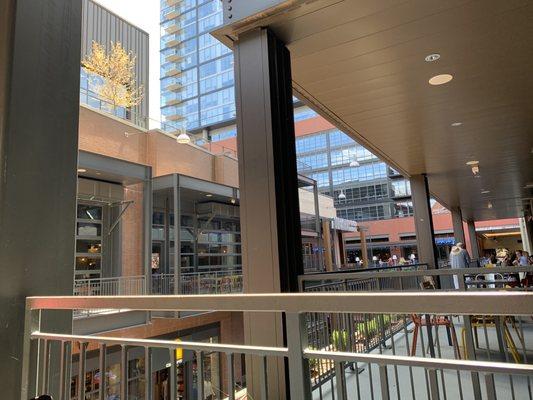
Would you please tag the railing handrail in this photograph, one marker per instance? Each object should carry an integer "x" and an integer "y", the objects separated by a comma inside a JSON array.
[
  {"x": 111, "y": 279},
  {"x": 444, "y": 302},
  {"x": 350, "y": 275},
  {"x": 429, "y": 363},
  {"x": 367, "y": 269}
]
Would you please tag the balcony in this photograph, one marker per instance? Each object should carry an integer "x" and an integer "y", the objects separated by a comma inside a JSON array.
[
  {"x": 174, "y": 58},
  {"x": 401, "y": 332}
]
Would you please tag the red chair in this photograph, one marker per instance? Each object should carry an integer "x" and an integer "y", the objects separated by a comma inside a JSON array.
[{"x": 433, "y": 321}]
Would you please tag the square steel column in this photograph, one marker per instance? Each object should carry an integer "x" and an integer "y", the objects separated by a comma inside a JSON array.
[
  {"x": 457, "y": 222},
  {"x": 474, "y": 245},
  {"x": 39, "y": 108},
  {"x": 270, "y": 216},
  {"x": 425, "y": 237}
]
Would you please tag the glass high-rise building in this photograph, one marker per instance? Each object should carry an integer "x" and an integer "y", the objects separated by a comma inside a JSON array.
[{"x": 197, "y": 84}]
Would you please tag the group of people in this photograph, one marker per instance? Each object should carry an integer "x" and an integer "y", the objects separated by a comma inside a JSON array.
[{"x": 459, "y": 258}]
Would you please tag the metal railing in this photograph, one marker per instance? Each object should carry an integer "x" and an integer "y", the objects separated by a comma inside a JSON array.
[
  {"x": 368, "y": 333},
  {"x": 114, "y": 286},
  {"x": 393, "y": 371},
  {"x": 199, "y": 283},
  {"x": 415, "y": 277}
]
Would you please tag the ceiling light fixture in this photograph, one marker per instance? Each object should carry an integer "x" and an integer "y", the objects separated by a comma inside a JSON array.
[
  {"x": 183, "y": 138},
  {"x": 354, "y": 163},
  {"x": 432, "y": 57},
  {"x": 233, "y": 201},
  {"x": 485, "y": 191},
  {"x": 341, "y": 196},
  {"x": 456, "y": 124},
  {"x": 208, "y": 195},
  {"x": 82, "y": 170},
  {"x": 440, "y": 79},
  {"x": 474, "y": 165}
]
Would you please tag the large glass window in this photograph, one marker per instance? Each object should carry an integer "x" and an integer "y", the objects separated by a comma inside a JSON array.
[
  {"x": 310, "y": 143},
  {"x": 401, "y": 188},
  {"x": 338, "y": 138}
]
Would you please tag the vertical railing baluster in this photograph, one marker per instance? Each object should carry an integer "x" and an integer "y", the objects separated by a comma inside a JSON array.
[
  {"x": 340, "y": 380},
  {"x": 123, "y": 372},
  {"x": 103, "y": 374},
  {"x": 63, "y": 370},
  {"x": 46, "y": 367},
  {"x": 384, "y": 382},
  {"x": 148, "y": 373},
  {"x": 200, "y": 374},
  {"x": 173, "y": 375},
  {"x": 489, "y": 386},
  {"x": 81, "y": 370},
  {"x": 231, "y": 376},
  {"x": 433, "y": 384},
  {"x": 263, "y": 380},
  {"x": 300, "y": 381}
]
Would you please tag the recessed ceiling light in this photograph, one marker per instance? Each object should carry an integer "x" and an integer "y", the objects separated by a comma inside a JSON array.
[
  {"x": 485, "y": 191},
  {"x": 440, "y": 79},
  {"x": 455, "y": 124},
  {"x": 208, "y": 195},
  {"x": 432, "y": 57},
  {"x": 82, "y": 170}
]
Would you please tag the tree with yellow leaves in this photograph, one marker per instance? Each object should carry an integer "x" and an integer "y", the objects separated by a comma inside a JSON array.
[{"x": 112, "y": 75}]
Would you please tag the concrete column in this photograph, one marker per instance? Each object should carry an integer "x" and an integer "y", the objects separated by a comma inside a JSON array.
[
  {"x": 269, "y": 206},
  {"x": 457, "y": 222},
  {"x": 425, "y": 238},
  {"x": 326, "y": 228},
  {"x": 474, "y": 245},
  {"x": 39, "y": 108},
  {"x": 364, "y": 249},
  {"x": 525, "y": 235}
]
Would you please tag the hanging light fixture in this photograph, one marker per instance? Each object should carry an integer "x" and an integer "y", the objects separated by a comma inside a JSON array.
[
  {"x": 354, "y": 163},
  {"x": 341, "y": 195},
  {"x": 183, "y": 138}
]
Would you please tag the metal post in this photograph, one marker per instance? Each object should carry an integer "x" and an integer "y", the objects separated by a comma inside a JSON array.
[
  {"x": 340, "y": 380},
  {"x": 200, "y": 374},
  {"x": 489, "y": 385},
  {"x": 231, "y": 376},
  {"x": 433, "y": 384},
  {"x": 124, "y": 372},
  {"x": 81, "y": 370},
  {"x": 384, "y": 382},
  {"x": 103, "y": 373},
  {"x": 148, "y": 373},
  {"x": 299, "y": 378},
  {"x": 173, "y": 374}
]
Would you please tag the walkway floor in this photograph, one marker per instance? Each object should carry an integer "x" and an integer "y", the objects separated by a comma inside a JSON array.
[{"x": 403, "y": 382}]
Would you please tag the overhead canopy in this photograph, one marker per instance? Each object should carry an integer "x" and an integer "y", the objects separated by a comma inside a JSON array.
[{"x": 361, "y": 64}]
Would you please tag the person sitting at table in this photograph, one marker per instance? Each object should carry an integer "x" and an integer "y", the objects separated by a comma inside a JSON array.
[{"x": 459, "y": 258}]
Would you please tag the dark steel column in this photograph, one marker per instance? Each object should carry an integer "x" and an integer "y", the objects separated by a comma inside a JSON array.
[
  {"x": 270, "y": 216},
  {"x": 425, "y": 237},
  {"x": 474, "y": 245},
  {"x": 39, "y": 107},
  {"x": 457, "y": 222}
]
